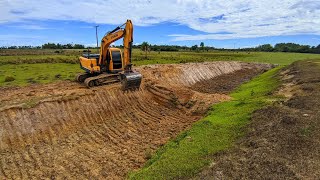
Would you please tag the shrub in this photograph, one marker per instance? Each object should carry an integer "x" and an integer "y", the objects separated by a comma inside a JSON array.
[
  {"x": 148, "y": 154},
  {"x": 9, "y": 79},
  {"x": 57, "y": 76}
]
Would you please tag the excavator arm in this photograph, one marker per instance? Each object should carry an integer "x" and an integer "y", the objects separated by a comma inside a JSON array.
[
  {"x": 116, "y": 34},
  {"x": 127, "y": 44}
]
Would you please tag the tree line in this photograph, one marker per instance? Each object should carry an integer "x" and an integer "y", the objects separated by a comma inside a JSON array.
[
  {"x": 145, "y": 46},
  {"x": 286, "y": 47},
  {"x": 62, "y": 46},
  {"x": 280, "y": 47}
]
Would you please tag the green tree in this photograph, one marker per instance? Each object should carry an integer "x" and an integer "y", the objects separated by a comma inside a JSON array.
[
  {"x": 195, "y": 47},
  {"x": 292, "y": 47},
  {"x": 59, "y": 46},
  {"x": 49, "y": 46},
  {"x": 265, "y": 48},
  {"x": 202, "y": 45},
  {"x": 68, "y": 46},
  {"x": 78, "y": 46},
  {"x": 316, "y": 49},
  {"x": 145, "y": 47}
]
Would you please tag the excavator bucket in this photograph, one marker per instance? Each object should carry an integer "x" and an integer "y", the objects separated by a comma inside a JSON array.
[{"x": 131, "y": 80}]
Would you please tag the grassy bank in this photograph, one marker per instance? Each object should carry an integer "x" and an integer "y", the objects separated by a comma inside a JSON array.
[{"x": 189, "y": 152}]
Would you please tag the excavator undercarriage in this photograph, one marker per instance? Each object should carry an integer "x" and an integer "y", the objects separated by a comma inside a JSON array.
[{"x": 128, "y": 80}]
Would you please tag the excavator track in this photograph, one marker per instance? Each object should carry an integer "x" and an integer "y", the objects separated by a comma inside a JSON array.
[
  {"x": 81, "y": 77},
  {"x": 129, "y": 81},
  {"x": 102, "y": 79}
]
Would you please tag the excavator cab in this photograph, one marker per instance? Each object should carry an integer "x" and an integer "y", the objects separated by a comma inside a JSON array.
[
  {"x": 113, "y": 63},
  {"x": 115, "y": 60}
]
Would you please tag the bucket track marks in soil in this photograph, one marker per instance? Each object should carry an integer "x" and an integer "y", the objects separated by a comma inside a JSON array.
[{"x": 63, "y": 130}]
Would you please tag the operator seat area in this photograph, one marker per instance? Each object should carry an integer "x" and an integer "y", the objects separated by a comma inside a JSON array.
[{"x": 117, "y": 60}]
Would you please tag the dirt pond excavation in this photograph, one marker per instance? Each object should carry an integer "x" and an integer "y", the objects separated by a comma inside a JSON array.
[{"x": 65, "y": 130}]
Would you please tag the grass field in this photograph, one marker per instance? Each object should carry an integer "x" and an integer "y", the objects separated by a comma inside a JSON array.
[
  {"x": 191, "y": 150},
  {"x": 185, "y": 57},
  {"x": 25, "y": 74},
  {"x": 24, "y": 65},
  {"x": 139, "y": 57}
]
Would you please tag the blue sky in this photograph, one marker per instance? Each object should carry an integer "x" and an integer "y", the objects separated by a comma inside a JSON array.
[{"x": 218, "y": 23}]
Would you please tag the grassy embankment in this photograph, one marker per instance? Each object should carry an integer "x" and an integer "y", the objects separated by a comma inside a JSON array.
[
  {"x": 23, "y": 67},
  {"x": 191, "y": 150}
]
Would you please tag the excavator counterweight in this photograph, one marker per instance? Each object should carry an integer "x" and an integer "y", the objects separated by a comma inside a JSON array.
[{"x": 111, "y": 65}]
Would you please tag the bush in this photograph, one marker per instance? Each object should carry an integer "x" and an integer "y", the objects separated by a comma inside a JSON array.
[
  {"x": 57, "y": 76},
  {"x": 9, "y": 79}
]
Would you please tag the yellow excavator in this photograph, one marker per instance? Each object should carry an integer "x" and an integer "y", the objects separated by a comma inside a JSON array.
[{"x": 111, "y": 65}]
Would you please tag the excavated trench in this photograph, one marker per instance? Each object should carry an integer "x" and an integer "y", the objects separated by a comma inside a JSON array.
[{"x": 63, "y": 130}]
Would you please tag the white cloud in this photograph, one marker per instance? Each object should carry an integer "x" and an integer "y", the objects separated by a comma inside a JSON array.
[
  {"x": 90, "y": 45},
  {"x": 29, "y": 26},
  {"x": 12, "y": 36},
  {"x": 240, "y": 18},
  {"x": 12, "y": 39}
]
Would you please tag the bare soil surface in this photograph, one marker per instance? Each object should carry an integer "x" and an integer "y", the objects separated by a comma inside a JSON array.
[
  {"x": 64, "y": 130},
  {"x": 225, "y": 83},
  {"x": 283, "y": 140}
]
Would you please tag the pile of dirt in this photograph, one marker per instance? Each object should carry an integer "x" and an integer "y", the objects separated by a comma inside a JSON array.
[
  {"x": 283, "y": 139},
  {"x": 64, "y": 130}
]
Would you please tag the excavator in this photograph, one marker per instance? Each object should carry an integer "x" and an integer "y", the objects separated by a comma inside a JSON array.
[{"x": 111, "y": 65}]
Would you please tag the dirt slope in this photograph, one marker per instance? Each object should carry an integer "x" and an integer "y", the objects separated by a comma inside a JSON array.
[
  {"x": 64, "y": 130},
  {"x": 283, "y": 141}
]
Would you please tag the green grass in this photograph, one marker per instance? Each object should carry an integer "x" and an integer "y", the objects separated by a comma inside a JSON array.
[
  {"x": 25, "y": 74},
  {"x": 40, "y": 66},
  {"x": 33, "y": 59},
  {"x": 191, "y": 150},
  {"x": 185, "y": 57},
  {"x": 138, "y": 57},
  {"x": 32, "y": 56},
  {"x": 279, "y": 57}
]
